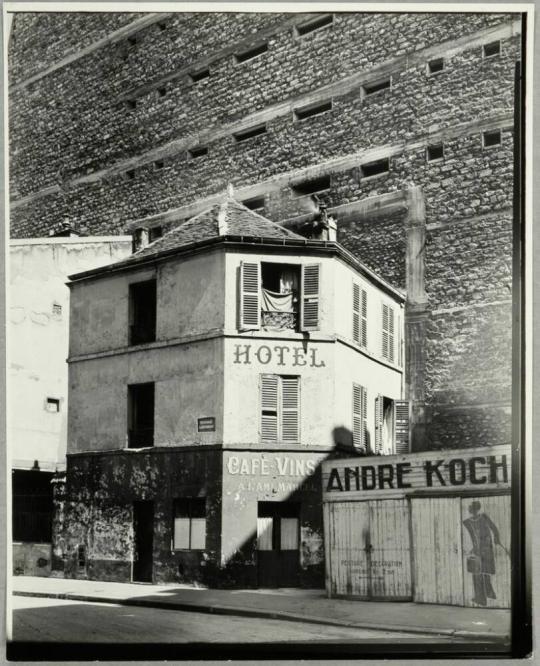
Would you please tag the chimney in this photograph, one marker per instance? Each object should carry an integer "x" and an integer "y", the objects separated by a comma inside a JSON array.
[{"x": 140, "y": 239}]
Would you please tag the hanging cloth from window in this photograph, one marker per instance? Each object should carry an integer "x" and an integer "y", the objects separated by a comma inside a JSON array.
[
  {"x": 273, "y": 302},
  {"x": 288, "y": 281}
]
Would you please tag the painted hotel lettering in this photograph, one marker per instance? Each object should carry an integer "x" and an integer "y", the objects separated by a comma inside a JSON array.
[
  {"x": 477, "y": 471},
  {"x": 281, "y": 354}
]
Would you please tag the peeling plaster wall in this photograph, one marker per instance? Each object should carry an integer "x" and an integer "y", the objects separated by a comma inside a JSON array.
[
  {"x": 95, "y": 510},
  {"x": 38, "y": 320}
]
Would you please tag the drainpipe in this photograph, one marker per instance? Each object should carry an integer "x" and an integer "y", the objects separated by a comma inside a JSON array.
[{"x": 416, "y": 317}]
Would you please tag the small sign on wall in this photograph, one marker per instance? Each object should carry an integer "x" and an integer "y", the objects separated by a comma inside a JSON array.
[{"x": 206, "y": 424}]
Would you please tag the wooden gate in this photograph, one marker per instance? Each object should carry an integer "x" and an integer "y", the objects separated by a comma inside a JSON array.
[
  {"x": 436, "y": 528},
  {"x": 368, "y": 549}
]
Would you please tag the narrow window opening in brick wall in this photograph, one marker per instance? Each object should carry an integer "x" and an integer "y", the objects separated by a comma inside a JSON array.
[
  {"x": 131, "y": 104},
  {"x": 200, "y": 151},
  {"x": 313, "y": 110},
  {"x": 52, "y": 405},
  {"x": 132, "y": 41},
  {"x": 162, "y": 25},
  {"x": 435, "y": 152},
  {"x": 375, "y": 168},
  {"x": 251, "y": 53},
  {"x": 492, "y": 138},
  {"x": 375, "y": 87},
  {"x": 249, "y": 133},
  {"x": 256, "y": 204},
  {"x": 159, "y": 164},
  {"x": 492, "y": 49},
  {"x": 154, "y": 233},
  {"x": 311, "y": 186},
  {"x": 314, "y": 24},
  {"x": 130, "y": 175},
  {"x": 199, "y": 75},
  {"x": 435, "y": 66},
  {"x": 162, "y": 91}
]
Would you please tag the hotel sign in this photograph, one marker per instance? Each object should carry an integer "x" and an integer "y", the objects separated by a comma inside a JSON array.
[
  {"x": 294, "y": 356},
  {"x": 444, "y": 471}
]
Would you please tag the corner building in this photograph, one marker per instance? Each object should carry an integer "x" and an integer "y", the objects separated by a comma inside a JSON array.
[
  {"x": 150, "y": 115},
  {"x": 210, "y": 375}
]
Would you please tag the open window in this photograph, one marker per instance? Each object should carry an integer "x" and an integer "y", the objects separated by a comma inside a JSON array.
[
  {"x": 140, "y": 415},
  {"x": 391, "y": 426},
  {"x": 275, "y": 296},
  {"x": 189, "y": 530},
  {"x": 142, "y": 312}
]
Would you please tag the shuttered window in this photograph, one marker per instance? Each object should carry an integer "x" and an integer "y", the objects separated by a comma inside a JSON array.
[
  {"x": 379, "y": 415},
  {"x": 359, "y": 417},
  {"x": 250, "y": 310},
  {"x": 359, "y": 315},
  {"x": 309, "y": 312},
  {"x": 388, "y": 332},
  {"x": 280, "y": 408},
  {"x": 401, "y": 421}
]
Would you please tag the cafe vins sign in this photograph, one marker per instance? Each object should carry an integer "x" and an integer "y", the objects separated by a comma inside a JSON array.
[{"x": 429, "y": 471}]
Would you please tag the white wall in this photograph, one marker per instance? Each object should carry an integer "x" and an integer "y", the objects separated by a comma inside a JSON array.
[{"x": 38, "y": 339}]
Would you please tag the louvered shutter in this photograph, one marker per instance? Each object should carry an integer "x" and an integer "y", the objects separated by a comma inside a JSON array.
[
  {"x": 356, "y": 313},
  {"x": 388, "y": 332},
  {"x": 384, "y": 330},
  {"x": 401, "y": 426},
  {"x": 359, "y": 417},
  {"x": 309, "y": 311},
  {"x": 250, "y": 311},
  {"x": 363, "y": 328},
  {"x": 290, "y": 409},
  {"x": 399, "y": 342},
  {"x": 378, "y": 423},
  {"x": 391, "y": 334},
  {"x": 269, "y": 407}
]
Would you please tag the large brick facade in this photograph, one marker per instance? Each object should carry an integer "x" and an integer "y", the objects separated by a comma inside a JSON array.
[{"x": 103, "y": 140}]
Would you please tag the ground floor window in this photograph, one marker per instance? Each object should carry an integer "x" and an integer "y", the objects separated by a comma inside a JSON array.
[
  {"x": 32, "y": 506},
  {"x": 189, "y": 523},
  {"x": 277, "y": 526}
]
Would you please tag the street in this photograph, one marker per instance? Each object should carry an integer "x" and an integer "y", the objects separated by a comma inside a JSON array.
[{"x": 45, "y": 619}]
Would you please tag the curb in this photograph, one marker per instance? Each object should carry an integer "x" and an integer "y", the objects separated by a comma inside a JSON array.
[{"x": 266, "y": 614}]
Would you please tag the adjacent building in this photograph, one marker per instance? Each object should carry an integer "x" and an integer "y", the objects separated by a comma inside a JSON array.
[
  {"x": 38, "y": 330},
  {"x": 210, "y": 375}
]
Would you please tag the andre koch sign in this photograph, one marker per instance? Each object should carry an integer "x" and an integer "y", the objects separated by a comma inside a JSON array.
[{"x": 429, "y": 471}]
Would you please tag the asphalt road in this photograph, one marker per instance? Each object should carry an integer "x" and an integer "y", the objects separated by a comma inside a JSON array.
[{"x": 43, "y": 619}]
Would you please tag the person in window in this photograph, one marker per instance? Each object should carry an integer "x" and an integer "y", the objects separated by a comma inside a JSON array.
[{"x": 481, "y": 561}]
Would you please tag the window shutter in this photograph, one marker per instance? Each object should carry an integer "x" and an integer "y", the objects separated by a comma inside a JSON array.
[
  {"x": 388, "y": 332},
  {"x": 289, "y": 411},
  {"x": 359, "y": 417},
  {"x": 378, "y": 423},
  {"x": 391, "y": 335},
  {"x": 269, "y": 407},
  {"x": 399, "y": 342},
  {"x": 356, "y": 313},
  {"x": 309, "y": 311},
  {"x": 401, "y": 421},
  {"x": 250, "y": 311},
  {"x": 363, "y": 329}
]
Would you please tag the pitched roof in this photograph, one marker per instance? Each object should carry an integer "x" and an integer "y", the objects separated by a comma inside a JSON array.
[{"x": 229, "y": 218}]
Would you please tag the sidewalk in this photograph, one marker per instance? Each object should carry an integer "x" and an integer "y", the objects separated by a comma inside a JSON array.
[{"x": 286, "y": 604}]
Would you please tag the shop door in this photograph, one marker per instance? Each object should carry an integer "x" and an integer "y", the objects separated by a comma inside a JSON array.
[
  {"x": 143, "y": 537},
  {"x": 369, "y": 549},
  {"x": 278, "y": 555},
  {"x": 486, "y": 551},
  {"x": 437, "y": 543}
]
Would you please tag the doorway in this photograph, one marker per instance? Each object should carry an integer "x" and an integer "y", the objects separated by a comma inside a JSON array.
[
  {"x": 278, "y": 538},
  {"x": 143, "y": 540}
]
